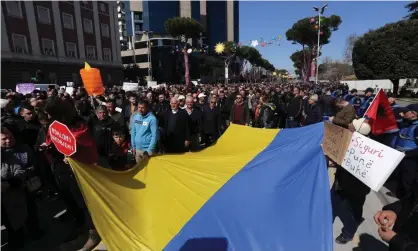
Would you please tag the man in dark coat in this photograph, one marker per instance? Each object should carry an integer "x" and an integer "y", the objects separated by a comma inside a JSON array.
[
  {"x": 28, "y": 125},
  {"x": 211, "y": 123},
  {"x": 240, "y": 113},
  {"x": 403, "y": 216},
  {"x": 313, "y": 111},
  {"x": 176, "y": 133},
  {"x": 195, "y": 123}
]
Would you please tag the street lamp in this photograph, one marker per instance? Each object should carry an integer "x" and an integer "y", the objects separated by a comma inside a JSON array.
[{"x": 320, "y": 12}]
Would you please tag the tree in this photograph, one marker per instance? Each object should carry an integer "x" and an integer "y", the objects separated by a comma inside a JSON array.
[
  {"x": 184, "y": 28},
  {"x": 334, "y": 70},
  {"x": 348, "y": 49},
  {"x": 413, "y": 10},
  {"x": 303, "y": 32},
  {"x": 389, "y": 52}
]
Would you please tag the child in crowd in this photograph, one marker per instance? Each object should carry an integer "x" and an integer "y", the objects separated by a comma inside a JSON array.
[{"x": 120, "y": 157}]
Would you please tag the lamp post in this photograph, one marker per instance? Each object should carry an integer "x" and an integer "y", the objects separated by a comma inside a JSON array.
[{"x": 320, "y": 12}]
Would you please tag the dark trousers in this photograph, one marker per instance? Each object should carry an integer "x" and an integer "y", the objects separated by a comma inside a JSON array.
[
  {"x": 292, "y": 122},
  {"x": 16, "y": 237},
  {"x": 408, "y": 174},
  {"x": 71, "y": 194},
  {"x": 349, "y": 208},
  {"x": 209, "y": 139}
]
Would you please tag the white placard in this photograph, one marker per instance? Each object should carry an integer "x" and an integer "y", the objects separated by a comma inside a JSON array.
[
  {"x": 127, "y": 86},
  {"x": 370, "y": 161}
]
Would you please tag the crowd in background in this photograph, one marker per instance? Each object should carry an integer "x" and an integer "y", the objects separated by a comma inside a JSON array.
[{"x": 130, "y": 127}]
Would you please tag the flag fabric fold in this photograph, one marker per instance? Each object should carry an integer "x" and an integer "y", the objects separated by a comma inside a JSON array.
[
  {"x": 380, "y": 115},
  {"x": 255, "y": 189}
]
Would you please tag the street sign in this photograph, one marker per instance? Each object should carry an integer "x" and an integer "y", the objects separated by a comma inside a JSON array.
[{"x": 62, "y": 138}]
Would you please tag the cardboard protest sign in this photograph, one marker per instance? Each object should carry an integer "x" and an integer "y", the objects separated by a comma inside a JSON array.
[
  {"x": 370, "y": 161},
  {"x": 335, "y": 142}
]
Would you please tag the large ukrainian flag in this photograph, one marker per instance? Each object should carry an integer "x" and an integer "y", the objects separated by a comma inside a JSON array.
[{"x": 256, "y": 189}]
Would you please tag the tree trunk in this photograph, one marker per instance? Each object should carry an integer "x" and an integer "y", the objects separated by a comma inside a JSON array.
[
  {"x": 186, "y": 69},
  {"x": 395, "y": 86}
]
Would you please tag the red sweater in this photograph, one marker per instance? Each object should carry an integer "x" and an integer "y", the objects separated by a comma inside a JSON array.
[{"x": 86, "y": 146}]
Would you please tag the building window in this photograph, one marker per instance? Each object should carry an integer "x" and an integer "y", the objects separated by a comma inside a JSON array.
[
  {"x": 138, "y": 16},
  {"x": 48, "y": 47},
  {"x": 52, "y": 78},
  {"x": 90, "y": 52},
  {"x": 138, "y": 27},
  {"x": 71, "y": 50},
  {"x": 43, "y": 15},
  {"x": 20, "y": 44},
  {"x": 88, "y": 25},
  {"x": 102, "y": 7},
  {"x": 14, "y": 9},
  {"x": 107, "y": 54},
  {"x": 67, "y": 20},
  {"x": 105, "y": 30}
]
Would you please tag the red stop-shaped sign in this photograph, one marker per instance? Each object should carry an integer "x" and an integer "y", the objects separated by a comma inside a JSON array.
[{"x": 62, "y": 138}]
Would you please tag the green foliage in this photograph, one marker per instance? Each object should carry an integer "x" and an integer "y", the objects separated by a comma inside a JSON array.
[
  {"x": 389, "y": 52},
  {"x": 183, "y": 26},
  {"x": 281, "y": 72},
  {"x": 304, "y": 33},
  {"x": 413, "y": 10}
]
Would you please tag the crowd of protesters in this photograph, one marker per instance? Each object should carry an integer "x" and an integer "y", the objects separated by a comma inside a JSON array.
[{"x": 126, "y": 128}]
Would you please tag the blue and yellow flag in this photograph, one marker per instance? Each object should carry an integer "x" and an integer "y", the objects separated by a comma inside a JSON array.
[{"x": 256, "y": 189}]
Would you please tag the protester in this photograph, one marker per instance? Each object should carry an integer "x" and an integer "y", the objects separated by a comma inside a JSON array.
[
  {"x": 176, "y": 133},
  {"x": 240, "y": 113},
  {"x": 346, "y": 114},
  {"x": 211, "y": 123},
  {"x": 294, "y": 109},
  {"x": 120, "y": 158},
  {"x": 348, "y": 195},
  {"x": 398, "y": 223},
  {"x": 18, "y": 206},
  {"x": 313, "y": 111},
  {"x": 144, "y": 132},
  {"x": 195, "y": 124}
]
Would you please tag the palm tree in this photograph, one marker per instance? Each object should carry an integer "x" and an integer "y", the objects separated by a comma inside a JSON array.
[{"x": 184, "y": 28}]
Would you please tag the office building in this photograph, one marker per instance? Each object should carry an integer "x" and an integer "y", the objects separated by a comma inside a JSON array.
[
  {"x": 220, "y": 20},
  {"x": 57, "y": 37}
]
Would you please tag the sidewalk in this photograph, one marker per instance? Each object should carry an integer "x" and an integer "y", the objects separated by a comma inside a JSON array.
[{"x": 366, "y": 238}]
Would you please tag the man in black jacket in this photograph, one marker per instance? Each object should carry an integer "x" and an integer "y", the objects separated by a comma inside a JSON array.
[
  {"x": 403, "y": 216},
  {"x": 195, "y": 123},
  {"x": 211, "y": 123},
  {"x": 313, "y": 111},
  {"x": 294, "y": 109},
  {"x": 176, "y": 133}
]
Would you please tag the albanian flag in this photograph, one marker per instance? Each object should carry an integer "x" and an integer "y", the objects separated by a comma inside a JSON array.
[{"x": 380, "y": 115}]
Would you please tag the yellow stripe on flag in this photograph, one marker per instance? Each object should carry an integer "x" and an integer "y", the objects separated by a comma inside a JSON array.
[{"x": 144, "y": 209}]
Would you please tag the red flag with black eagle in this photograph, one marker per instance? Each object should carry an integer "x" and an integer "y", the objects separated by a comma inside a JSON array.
[{"x": 380, "y": 115}]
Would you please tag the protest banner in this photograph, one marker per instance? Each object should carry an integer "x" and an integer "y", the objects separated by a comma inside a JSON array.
[
  {"x": 127, "y": 86},
  {"x": 335, "y": 142},
  {"x": 369, "y": 161},
  {"x": 25, "y": 88}
]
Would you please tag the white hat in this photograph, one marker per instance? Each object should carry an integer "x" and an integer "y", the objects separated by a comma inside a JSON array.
[
  {"x": 201, "y": 95},
  {"x": 181, "y": 97},
  {"x": 362, "y": 126}
]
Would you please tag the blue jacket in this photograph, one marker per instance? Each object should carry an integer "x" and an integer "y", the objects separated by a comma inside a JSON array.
[{"x": 144, "y": 131}]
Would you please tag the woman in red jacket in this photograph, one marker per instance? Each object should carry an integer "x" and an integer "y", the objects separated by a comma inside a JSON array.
[{"x": 64, "y": 111}]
